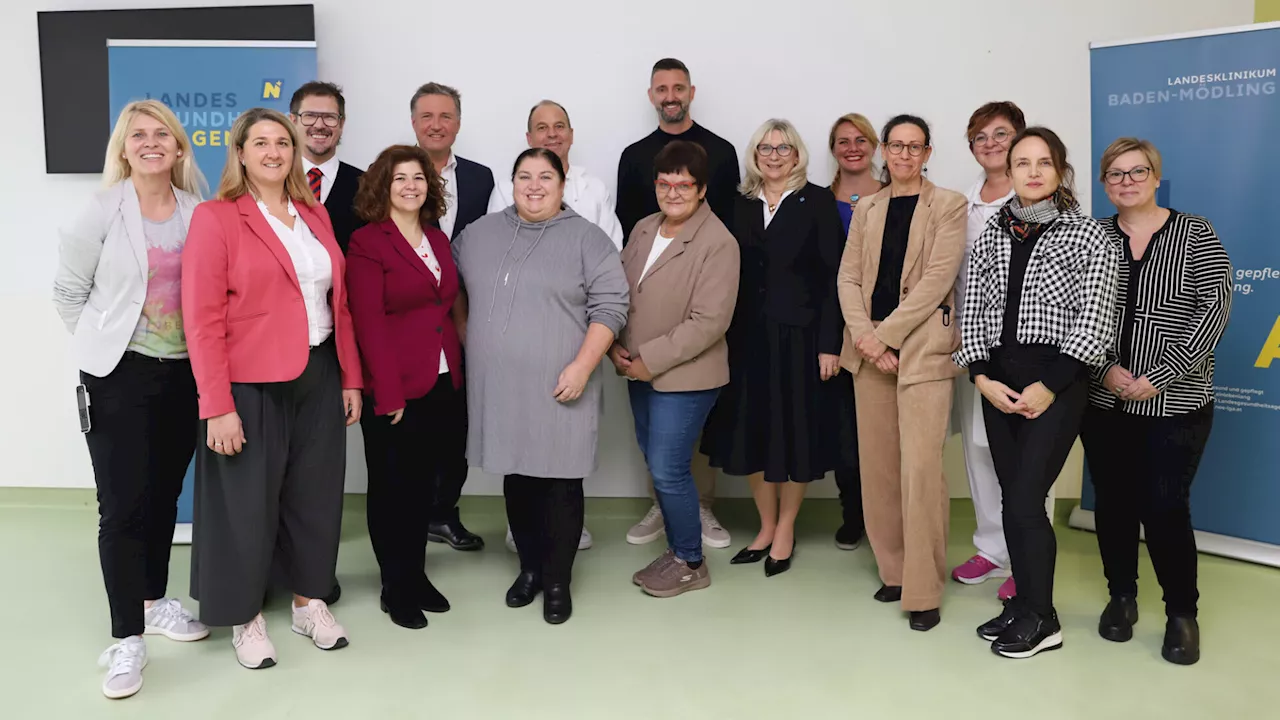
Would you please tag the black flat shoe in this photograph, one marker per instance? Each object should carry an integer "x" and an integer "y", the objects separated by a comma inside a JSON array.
[
  {"x": 777, "y": 567},
  {"x": 1029, "y": 636},
  {"x": 992, "y": 629},
  {"x": 404, "y": 615},
  {"x": 332, "y": 597},
  {"x": 1118, "y": 618},
  {"x": 925, "y": 620},
  {"x": 523, "y": 590},
  {"x": 746, "y": 555},
  {"x": 453, "y": 533},
  {"x": 557, "y": 605},
  {"x": 430, "y": 599},
  {"x": 889, "y": 593},
  {"x": 1181, "y": 641}
]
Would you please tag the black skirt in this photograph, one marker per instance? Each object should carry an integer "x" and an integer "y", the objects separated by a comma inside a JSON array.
[{"x": 776, "y": 415}]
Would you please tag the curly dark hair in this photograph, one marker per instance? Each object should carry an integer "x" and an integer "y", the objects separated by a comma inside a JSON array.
[{"x": 373, "y": 199}]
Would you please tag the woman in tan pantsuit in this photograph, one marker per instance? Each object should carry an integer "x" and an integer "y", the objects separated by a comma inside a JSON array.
[{"x": 897, "y": 288}]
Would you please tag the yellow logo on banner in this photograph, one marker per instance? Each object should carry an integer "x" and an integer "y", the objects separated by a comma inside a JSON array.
[
  {"x": 271, "y": 89},
  {"x": 1271, "y": 348}
]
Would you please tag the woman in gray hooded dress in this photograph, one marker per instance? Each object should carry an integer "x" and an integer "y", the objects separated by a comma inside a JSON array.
[{"x": 545, "y": 297}]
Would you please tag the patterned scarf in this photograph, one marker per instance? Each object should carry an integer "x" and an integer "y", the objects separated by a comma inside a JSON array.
[{"x": 1029, "y": 222}]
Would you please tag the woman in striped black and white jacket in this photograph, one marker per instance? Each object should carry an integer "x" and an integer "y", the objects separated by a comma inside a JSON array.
[{"x": 1151, "y": 402}]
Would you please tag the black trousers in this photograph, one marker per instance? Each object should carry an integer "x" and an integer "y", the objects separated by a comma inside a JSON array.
[
  {"x": 451, "y": 474},
  {"x": 282, "y": 493},
  {"x": 143, "y": 417},
  {"x": 849, "y": 483},
  {"x": 546, "y": 516},
  {"x": 1028, "y": 455},
  {"x": 403, "y": 461},
  {"x": 1142, "y": 469}
]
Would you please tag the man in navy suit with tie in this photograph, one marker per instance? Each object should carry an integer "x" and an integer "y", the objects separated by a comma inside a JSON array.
[
  {"x": 436, "y": 111},
  {"x": 319, "y": 112}
]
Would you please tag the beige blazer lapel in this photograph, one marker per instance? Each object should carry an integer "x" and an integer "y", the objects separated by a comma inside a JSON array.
[
  {"x": 681, "y": 239},
  {"x": 873, "y": 236},
  {"x": 919, "y": 222}
]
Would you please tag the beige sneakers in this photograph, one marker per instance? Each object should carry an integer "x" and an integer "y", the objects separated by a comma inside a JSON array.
[
  {"x": 253, "y": 648},
  {"x": 316, "y": 622},
  {"x": 649, "y": 528},
  {"x": 673, "y": 577}
]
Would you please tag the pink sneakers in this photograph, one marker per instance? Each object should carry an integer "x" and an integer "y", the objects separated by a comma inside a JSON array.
[
  {"x": 977, "y": 569},
  {"x": 1007, "y": 590}
]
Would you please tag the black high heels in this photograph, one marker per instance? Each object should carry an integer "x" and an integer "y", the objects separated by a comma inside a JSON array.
[
  {"x": 777, "y": 567},
  {"x": 746, "y": 555}
]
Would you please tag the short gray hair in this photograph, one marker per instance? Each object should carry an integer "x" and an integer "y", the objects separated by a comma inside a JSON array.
[{"x": 435, "y": 88}]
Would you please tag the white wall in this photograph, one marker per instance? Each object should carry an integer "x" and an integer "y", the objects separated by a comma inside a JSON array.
[{"x": 811, "y": 63}]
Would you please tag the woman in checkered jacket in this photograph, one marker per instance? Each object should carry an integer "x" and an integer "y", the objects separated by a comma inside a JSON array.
[{"x": 1041, "y": 292}]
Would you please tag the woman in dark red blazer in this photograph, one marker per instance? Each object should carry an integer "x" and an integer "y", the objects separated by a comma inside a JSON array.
[
  {"x": 274, "y": 355},
  {"x": 403, "y": 283}
]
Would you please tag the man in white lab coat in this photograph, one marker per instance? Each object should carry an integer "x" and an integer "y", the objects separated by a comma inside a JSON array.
[{"x": 549, "y": 128}]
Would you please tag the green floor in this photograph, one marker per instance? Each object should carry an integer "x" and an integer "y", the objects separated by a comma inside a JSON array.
[{"x": 807, "y": 644}]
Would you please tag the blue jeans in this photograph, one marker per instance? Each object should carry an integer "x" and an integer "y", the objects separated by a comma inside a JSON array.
[{"x": 667, "y": 427}]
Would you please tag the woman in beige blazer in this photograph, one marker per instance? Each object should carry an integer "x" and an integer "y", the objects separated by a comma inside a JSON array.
[
  {"x": 682, "y": 269},
  {"x": 117, "y": 290},
  {"x": 897, "y": 287}
]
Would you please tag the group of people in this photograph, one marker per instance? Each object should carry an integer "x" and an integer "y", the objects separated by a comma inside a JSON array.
[{"x": 784, "y": 329}]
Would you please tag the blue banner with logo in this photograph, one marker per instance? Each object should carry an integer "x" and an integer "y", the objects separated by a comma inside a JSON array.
[
  {"x": 1209, "y": 103},
  {"x": 207, "y": 84}
]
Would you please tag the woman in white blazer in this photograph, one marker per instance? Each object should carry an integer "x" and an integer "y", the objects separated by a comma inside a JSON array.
[{"x": 118, "y": 291}]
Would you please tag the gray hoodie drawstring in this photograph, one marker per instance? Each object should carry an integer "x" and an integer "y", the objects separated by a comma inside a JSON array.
[{"x": 519, "y": 266}]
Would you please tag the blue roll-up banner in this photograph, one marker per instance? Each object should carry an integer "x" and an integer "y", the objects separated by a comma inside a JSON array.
[
  {"x": 1209, "y": 102},
  {"x": 207, "y": 83}
]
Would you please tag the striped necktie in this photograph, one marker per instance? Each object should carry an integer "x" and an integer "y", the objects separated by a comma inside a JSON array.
[{"x": 313, "y": 179}]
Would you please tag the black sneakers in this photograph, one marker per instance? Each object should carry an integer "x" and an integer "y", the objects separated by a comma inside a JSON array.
[
  {"x": 991, "y": 629},
  {"x": 1118, "y": 618},
  {"x": 1028, "y": 635}
]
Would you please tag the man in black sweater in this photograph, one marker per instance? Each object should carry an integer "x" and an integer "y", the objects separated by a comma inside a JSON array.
[{"x": 671, "y": 93}]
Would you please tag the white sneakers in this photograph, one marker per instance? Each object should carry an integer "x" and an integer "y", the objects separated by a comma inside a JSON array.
[
  {"x": 167, "y": 617},
  {"x": 584, "y": 541},
  {"x": 253, "y": 648},
  {"x": 255, "y": 651},
  {"x": 316, "y": 622},
  {"x": 124, "y": 662}
]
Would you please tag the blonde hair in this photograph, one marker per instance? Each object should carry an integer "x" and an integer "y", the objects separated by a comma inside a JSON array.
[
  {"x": 185, "y": 175},
  {"x": 754, "y": 181},
  {"x": 862, "y": 125},
  {"x": 235, "y": 182},
  {"x": 1129, "y": 144}
]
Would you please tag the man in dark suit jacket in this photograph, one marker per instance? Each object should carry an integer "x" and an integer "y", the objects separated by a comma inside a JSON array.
[
  {"x": 437, "y": 116},
  {"x": 318, "y": 111},
  {"x": 436, "y": 112}
]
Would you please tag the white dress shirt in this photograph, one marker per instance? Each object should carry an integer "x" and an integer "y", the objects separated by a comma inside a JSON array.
[
  {"x": 449, "y": 175},
  {"x": 979, "y": 213},
  {"x": 314, "y": 268},
  {"x": 585, "y": 193},
  {"x": 768, "y": 214},
  {"x": 433, "y": 264},
  {"x": 328, "y": 172}
]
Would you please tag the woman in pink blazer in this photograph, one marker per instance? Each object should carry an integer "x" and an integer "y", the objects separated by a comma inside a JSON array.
[
  {"x": 403, "y": 284},
  {"x": 275, "y": 361}
]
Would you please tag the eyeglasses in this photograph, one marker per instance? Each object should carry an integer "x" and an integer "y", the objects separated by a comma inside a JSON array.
[
  {"x": 309, "y": 118},
  {"x": 767, "y": 150},
  {"x": 998, "y": 137},
  {"x": 1138, "y": 174},
  {"x": 915, "y": 149},
  {"x": 664, "y": 187}
]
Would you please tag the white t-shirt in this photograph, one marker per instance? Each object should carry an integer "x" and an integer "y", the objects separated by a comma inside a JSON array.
[
  {"x": 433, "y": 264},
  {"x": 660, "y": 243}
]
